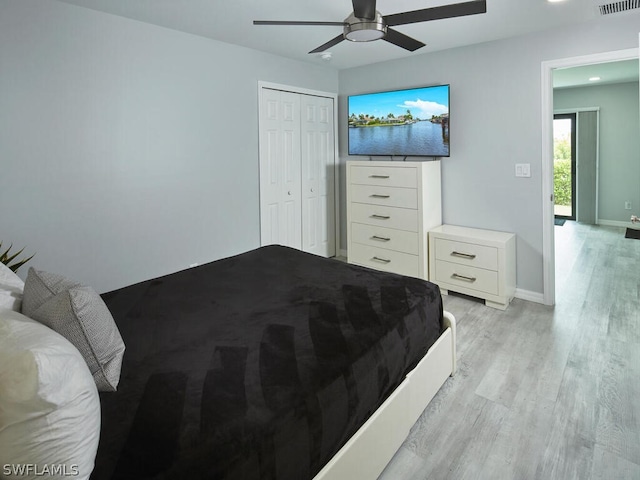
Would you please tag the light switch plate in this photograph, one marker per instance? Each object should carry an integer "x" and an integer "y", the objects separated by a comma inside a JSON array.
[{"x": 523, "y": 170}]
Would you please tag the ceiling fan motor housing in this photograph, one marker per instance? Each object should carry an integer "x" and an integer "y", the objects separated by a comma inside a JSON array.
[{"x": 363, "y": 29}]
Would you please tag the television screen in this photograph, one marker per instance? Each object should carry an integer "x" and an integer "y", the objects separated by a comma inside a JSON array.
[{"x": 412, "y": 122}]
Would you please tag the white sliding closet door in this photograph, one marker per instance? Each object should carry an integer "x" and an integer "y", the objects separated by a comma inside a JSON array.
[
  {"x": 318, "y": 209},
  {"x": 297, "y": 171},
  {"x": 280, "y": 181}
]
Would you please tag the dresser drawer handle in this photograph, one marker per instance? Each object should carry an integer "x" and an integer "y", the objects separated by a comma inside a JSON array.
[
  {"x": 378, "y": 176},
  {"x": 380, "y": 217},
  {"x": 381, "y": 260},
  {"x": 377, "y": 195},
  {"x": 462, "y": 277},
  {"x": 470, "y": 256},
  {"x": 380, "y": 239}
]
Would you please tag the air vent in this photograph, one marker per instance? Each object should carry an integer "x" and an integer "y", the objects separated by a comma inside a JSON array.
[{"x": 618, "y": 7}]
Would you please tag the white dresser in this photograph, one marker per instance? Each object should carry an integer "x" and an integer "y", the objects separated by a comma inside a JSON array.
[
  {"x": 480, "y": 263},
  {"x": 391, "y": 206}
]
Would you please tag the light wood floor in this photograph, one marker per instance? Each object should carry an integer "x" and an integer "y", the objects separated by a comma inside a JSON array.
[{"x": 543, "y": 392}]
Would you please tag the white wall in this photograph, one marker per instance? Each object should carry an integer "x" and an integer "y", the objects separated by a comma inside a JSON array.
[
  {"x": 495, "y": 123},
  {"x": 619, "y": 172},
  {"x": 128, "y": 150}
]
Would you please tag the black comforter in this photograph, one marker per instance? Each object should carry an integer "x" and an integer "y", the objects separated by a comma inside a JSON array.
[{"x": 258, "y": 366}]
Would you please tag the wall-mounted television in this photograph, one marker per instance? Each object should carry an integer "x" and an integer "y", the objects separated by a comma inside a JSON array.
[{"x": 409, "y": 122}]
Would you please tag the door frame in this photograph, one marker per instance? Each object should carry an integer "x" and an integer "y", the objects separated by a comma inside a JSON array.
[
  {"x": 546, "y": 87},
  {"x": 336, "y": 167}
]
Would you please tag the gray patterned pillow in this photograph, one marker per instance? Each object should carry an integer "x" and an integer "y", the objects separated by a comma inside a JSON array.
[
  {"x": 40, "y": 286},
  {"x": 81, "y": 316}
]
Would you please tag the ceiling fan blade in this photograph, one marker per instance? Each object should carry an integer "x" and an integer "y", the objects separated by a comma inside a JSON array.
[
  {"x": 437, "y": 13},
  {"x": 329, "y": 44},
  {"x": 364, "y": 9},
  {"x": 288, "y": 22},
  {"x": 402, "y": 40}
]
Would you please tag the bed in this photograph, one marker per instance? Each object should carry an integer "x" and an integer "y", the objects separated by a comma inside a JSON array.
[{"x": 270, "y": 364}]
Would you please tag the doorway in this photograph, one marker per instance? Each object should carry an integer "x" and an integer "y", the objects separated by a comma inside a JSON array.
[{"x": 547, "y": 69}]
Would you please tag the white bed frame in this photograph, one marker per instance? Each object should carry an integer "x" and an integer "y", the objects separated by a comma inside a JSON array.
[{"x": 367, "y": 453}]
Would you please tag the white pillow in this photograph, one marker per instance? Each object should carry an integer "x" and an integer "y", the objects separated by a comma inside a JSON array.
[
  {"x": 49, "y": 404},
  {"x": 11, "y": 287}
]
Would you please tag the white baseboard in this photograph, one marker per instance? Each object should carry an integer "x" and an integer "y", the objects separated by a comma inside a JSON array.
[
  {"x": 616, "y": 223},
  {"x": 529, "y": 296}
]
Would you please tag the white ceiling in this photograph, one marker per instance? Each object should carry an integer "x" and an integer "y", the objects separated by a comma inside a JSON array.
[
  {"x": 611, "y": 72},
  {"x": 231, "y": 21}
]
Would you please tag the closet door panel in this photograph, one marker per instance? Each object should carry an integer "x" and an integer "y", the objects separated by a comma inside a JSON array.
[
  {"x": 280, "y": 182},
  {"x": 318, "y": 175}
]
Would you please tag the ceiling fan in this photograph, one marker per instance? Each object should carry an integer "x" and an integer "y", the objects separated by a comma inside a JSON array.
[{"x": 366, "y": 23}]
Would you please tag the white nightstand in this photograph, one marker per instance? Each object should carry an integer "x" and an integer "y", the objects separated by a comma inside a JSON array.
[{"x": 480, "y": 263}]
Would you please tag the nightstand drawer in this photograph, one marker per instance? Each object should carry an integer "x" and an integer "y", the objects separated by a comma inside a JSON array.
[
  {"x": 387, "y": 238},
  {"x": 391, "y": 196},
  {"x": 470, "y": 278},
  {"x": 390, "y": 176},
  {"x": 470, "y": 254},
  {"x": 390, "y": 217},
  {"x": 387, "y": 260}
]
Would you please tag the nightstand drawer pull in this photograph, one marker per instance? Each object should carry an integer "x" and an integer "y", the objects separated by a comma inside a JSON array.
[
  {"x": 377, "y": 195},
  {"x": 379, "y": 176},
  {"x": 462, "y": 277},
  {"x": 470, "y": 256},
  {"x": 381, "y": 217},
  {"x": 381, "y": 239},
  {"x": 381, "y": 260}
]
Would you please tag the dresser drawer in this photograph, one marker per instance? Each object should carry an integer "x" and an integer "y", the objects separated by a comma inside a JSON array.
[
  {"x": 383, "y": 216},
  {"x": 392, "y": 196},
  {"x": 387, "y": 260},
  {"x": 387, "y": 238},
  {"x": 470, "y": 254},
  {"x": 469, "y": 278},
  {"x": 371, "y": 174}
]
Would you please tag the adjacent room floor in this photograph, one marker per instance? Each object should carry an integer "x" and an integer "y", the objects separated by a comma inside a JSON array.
[{"x": 543, "y": 392}]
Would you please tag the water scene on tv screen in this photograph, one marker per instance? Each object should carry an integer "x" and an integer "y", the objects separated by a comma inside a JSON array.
[{"x": 405, "y": 122}]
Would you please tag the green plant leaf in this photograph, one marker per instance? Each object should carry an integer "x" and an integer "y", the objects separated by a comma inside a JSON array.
[
  {"x": 5, "y": 254},
  {"x": 6, "y": 258},
  {"x": 16, "y": 266}
]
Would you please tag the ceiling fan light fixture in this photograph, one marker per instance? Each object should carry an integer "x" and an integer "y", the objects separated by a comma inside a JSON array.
[{"x": 364, "y": 29}]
